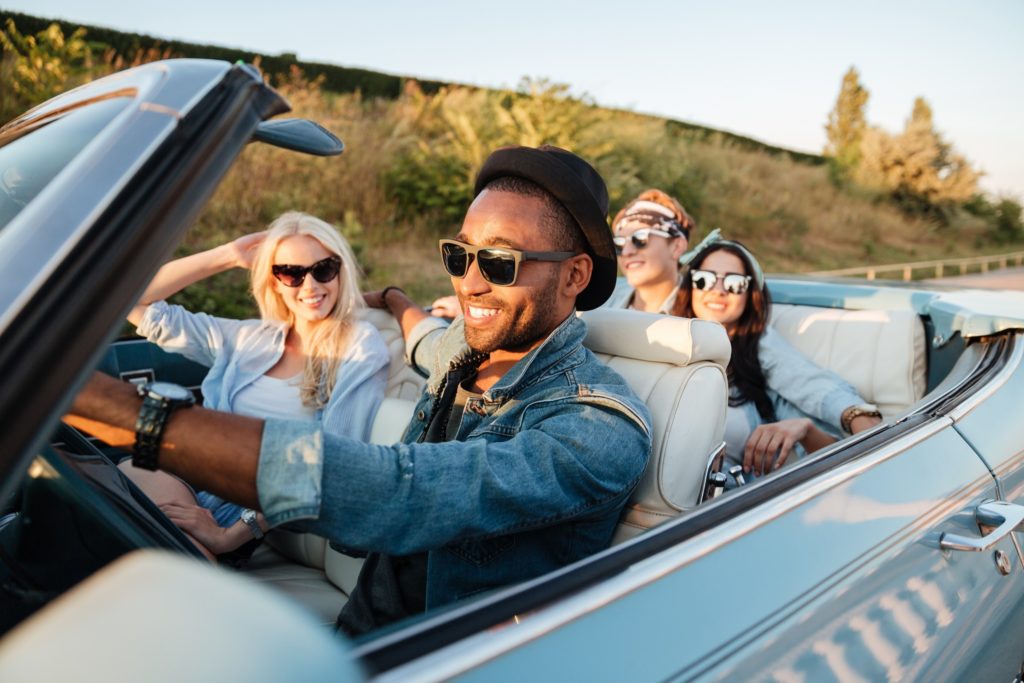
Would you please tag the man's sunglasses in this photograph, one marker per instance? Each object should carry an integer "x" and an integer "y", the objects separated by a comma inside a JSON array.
[
  {"x": 640, "y": 238},
  {"x": 498, "y": 265},
  {"x": 732, "y": 283},
  {"x": 322, "y": 271}
]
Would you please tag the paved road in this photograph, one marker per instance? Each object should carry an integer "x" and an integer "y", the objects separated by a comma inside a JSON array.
[{"x": 1008, "y": 278}]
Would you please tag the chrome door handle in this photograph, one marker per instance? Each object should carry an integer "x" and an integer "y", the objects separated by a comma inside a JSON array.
[{"x": 1006, "y": 517}]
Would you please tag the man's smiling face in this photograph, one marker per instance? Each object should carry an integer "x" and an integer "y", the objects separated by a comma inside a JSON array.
[{"x": 518, "y": 317}]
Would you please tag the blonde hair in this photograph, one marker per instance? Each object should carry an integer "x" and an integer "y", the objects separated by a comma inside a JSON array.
[{"x": 331, "y": 336}]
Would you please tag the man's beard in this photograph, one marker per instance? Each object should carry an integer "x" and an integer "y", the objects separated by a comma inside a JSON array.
[{"x": 527, "y": 325}]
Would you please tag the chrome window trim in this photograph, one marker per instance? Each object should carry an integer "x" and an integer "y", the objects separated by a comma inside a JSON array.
[
  {"x": 1011, "y": 363},
  {"x": 472, "y": 652}
]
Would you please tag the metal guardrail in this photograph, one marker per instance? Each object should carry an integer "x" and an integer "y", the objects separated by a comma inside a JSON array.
[{"x": 940, "y": 267}]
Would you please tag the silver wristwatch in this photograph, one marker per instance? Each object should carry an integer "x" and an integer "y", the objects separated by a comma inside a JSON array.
[{"x": 249, "y": 517}]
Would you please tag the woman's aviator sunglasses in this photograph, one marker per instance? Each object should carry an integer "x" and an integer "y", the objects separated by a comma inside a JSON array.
[
  {"x": 732, "y": 283},
  {"x": 640, "y": 238},
  {"x": 322, "y": 271},
  {"x": 498, "y": 265}
]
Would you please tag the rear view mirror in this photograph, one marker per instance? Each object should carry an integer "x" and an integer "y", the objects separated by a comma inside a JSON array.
[{"x": 299, "y": 135}]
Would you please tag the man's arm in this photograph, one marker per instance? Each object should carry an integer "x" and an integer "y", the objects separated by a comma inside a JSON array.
[
  {"x": 213, "y": 451},
  {"x": 417, "y": 326},
  {"x": 406, "y": 311}
]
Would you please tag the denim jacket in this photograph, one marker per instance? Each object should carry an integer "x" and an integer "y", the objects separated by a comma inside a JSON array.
[
  {"x": 537, "y": 477},
  {"x": 799, "y": 387}
]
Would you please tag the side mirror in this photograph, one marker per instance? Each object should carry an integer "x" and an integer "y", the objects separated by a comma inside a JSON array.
[{"x": 299, "y": 135}]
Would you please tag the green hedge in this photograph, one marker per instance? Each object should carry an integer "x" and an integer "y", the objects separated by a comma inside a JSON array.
[{"x": 336, "y": 78}]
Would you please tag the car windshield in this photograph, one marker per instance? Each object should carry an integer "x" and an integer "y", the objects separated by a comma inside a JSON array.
[{"x": 33, "y": 151}]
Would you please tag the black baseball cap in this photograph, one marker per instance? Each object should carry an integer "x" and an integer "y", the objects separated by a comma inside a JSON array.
[{"x": 577, "y": 187}]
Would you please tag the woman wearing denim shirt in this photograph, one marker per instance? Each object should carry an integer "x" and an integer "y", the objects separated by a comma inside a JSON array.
[
  {"x": 309, "y": 357},
  {"x": 779, "y": 401}
]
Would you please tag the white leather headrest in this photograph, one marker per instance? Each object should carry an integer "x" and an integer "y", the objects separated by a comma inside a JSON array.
[{"x": 655, "y": 337}]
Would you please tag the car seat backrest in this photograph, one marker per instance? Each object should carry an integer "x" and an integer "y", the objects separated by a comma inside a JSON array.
[
  {"x": 403, "y": 381},
  {"x": 404, "y": 386},
  {"x": 677, "y": 367},
  {"x": 881, "y": 353}
]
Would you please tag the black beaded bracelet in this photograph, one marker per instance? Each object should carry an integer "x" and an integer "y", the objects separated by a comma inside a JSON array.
[{"x": 384, "y": 294}]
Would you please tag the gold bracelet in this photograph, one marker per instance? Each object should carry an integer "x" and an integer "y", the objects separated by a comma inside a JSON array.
[{"x": 852, "y": 413}]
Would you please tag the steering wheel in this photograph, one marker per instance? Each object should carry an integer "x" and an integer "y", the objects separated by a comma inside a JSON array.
[{"x": 139, "y": 512}]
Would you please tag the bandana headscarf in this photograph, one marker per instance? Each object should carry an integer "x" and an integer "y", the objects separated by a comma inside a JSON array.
[{"x": 646, "y": 214}]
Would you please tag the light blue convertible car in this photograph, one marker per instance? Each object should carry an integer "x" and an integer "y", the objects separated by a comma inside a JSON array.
[{"x": 891, "y": 555}]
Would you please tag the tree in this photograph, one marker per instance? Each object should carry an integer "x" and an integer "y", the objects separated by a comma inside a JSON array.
[
  {"x": 847, "y": 124},
  {"x": 34, "y": 68},
  {"x": 917, "y": 166}
]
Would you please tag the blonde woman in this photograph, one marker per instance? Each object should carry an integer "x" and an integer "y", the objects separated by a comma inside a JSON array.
[{"x": 309, "y": 357}]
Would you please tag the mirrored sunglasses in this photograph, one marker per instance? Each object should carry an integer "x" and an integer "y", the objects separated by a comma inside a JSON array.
[
  {"x": 732, "y": 283},
  {"x": 322, "y": 271},
  {"x": 498, "y": 265},
  {"x": 640, "y": 238}
]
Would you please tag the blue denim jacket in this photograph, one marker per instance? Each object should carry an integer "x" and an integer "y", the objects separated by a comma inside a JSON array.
[
  {"x": 240, "y": 351},
  {"x": 542, "y": 466}
]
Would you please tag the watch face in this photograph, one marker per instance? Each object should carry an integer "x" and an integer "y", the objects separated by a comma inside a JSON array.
[{"x": 174, "y": 392}]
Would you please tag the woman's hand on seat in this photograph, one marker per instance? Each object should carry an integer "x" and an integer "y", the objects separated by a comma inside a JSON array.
[
  {"x": 771, "y": 444},
  {"x": 199, "y": 523}
]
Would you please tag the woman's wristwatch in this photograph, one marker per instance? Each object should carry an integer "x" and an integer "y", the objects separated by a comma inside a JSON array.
[
  {"x": 249, "y": 517},
  {"x": 159, "y": 400},
  {"x": 853, "y": 412}
]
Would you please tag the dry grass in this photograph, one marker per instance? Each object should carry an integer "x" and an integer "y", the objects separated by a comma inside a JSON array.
[{"x": 789, "y": 213}]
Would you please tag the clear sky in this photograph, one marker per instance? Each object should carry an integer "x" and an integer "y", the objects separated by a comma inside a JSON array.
[{"x": 770, "y": 70}]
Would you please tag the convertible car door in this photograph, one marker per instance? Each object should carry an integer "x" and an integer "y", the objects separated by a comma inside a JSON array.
[{"x": 842, "y": 577}]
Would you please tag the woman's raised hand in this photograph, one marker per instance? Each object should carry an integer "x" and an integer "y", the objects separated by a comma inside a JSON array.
[{"x": 244, "y": 248}]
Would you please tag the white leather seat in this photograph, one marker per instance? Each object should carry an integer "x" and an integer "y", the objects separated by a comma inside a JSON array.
[
  {"x": 403, "y": 381},
  {"x": 881, "y": 353},
  {"x": 677, "y": 367}
]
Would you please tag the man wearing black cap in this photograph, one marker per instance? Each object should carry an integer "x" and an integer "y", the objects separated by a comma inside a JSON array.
[{"x": 524, "y": 447}]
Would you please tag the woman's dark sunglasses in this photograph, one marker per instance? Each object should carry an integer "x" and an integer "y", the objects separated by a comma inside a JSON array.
[
  {"x": 732, "y": 283},
  {"x": 498, "y": 265},
  {"x": 322, "y": 271},
  {"x": 640, "y": 238}
]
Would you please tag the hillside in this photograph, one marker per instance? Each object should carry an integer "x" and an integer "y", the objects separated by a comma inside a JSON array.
[{"x": 414, "y": 147}]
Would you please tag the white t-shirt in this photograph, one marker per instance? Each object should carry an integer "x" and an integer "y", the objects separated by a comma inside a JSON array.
[{"x": 270, "y": 397}]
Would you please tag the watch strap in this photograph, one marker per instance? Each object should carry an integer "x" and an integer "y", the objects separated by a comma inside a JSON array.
[
  {"x": 149, "y": 432},
  {"x": 249, "y": 517},
  {"x": 149, "y": 426}
]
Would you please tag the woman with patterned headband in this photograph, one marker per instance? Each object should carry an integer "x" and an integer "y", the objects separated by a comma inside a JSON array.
[{"x": 651, "y": 233}]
